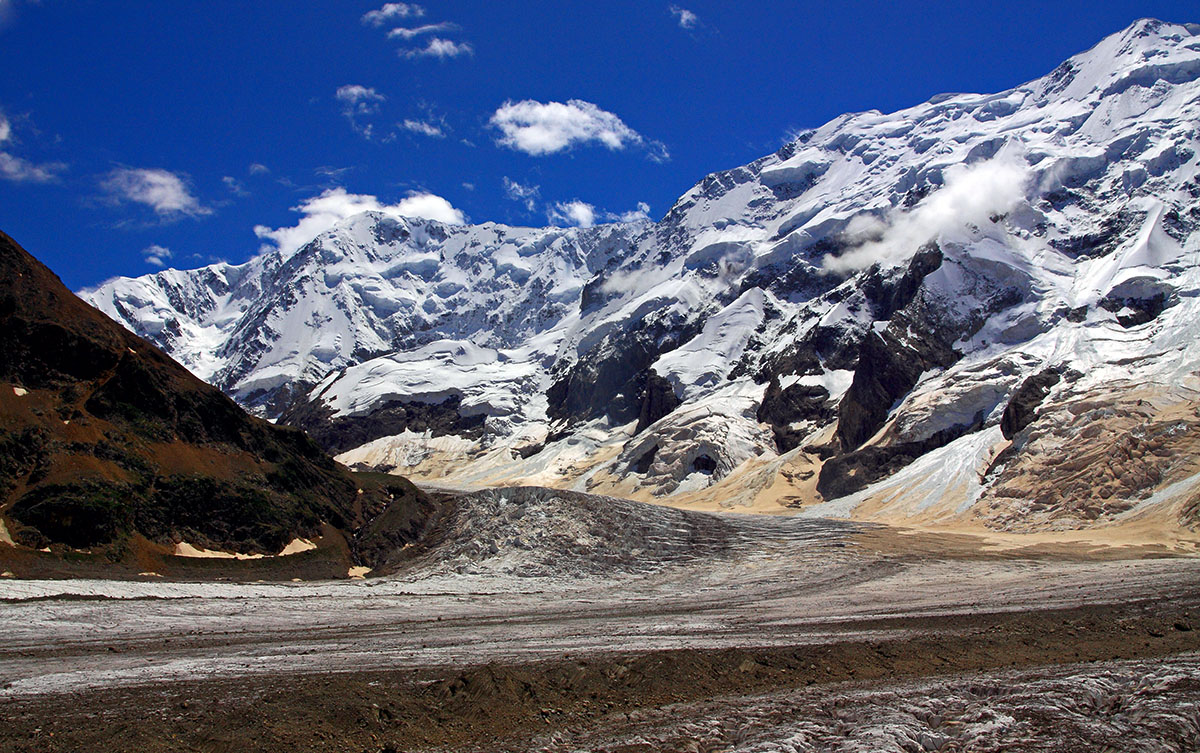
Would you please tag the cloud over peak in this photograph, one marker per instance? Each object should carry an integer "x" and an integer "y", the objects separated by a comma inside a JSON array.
[
  {"x": 323, "y": 211},
  {"x": 579, "y": 213},
  {"x": 538, "y": 128},
  {"x": 573, "y": 213},
  {"x": 156, "y": 255},
  {"x": 972, "y": 195}
]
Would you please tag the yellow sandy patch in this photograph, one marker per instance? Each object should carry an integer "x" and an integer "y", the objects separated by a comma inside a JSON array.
[
  {"x": 184, "y": 549},
  {"x": 296, "y": 546}
]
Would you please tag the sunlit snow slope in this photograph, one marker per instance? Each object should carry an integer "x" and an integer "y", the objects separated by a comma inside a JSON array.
[{"x": 980, "y": 310}]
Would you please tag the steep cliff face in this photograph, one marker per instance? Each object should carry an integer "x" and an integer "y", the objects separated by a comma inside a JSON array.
[
  {"x": 104, "y": 438},
  {"x": 804, "y": 329}
]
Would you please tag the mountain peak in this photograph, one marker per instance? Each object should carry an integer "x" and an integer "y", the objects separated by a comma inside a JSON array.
[{"x": 1146, "y": 51}]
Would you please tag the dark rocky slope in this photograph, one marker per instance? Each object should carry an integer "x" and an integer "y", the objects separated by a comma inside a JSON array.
[{"x": 108, "y": 445}]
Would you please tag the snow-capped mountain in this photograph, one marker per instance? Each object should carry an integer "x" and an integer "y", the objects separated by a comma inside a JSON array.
[{"x": 981, "y": 307}]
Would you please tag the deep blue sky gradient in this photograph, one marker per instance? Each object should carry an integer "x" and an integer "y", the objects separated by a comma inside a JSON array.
[{"x": 206, "y": 89}]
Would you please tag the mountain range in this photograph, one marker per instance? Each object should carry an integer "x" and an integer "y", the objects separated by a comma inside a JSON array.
[{"x": 979, "y": 311}]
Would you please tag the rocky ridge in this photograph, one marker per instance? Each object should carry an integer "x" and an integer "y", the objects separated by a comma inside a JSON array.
[{"x": 113, "y": 454}]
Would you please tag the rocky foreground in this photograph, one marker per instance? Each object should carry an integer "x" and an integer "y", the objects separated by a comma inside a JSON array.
[{"x": 721, "y": 633}]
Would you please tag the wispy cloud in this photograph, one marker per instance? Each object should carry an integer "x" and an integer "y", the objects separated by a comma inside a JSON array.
[
  {"x": 157, "y": 255},
  {"x": 578, "y": 213},
  {"x": 401, "y": 32},
  {"x": 359, "y": 102},
  {"x": 20, "y": 170},
  {"x": 686, "y": 18},
  {"x": 323, "y": 211},
  {"x": 424, "y": 128},
  {"x": 527, "y": 195},
  {"x": 161, "y": 190},
  {"x": 235, "y": 186},
  {"x": 392, "y": 12},
  {"x": 258, "y": 168},
  {"x": 538, "y": 128},
  {"x": 439, "y": 48},
  {"x": 970, "y": 196},
  {"x": 436, "y": 47}
]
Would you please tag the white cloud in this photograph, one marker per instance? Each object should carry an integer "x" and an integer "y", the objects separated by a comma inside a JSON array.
[
  {"x": 157, "y": 255},
  {"x": 640, "y": 214},
  {"x": 686, "y": 18},
  {"x": 392, "y": 11},
  {"x": 355, "y": 95},
  {"x": 573, "y": 213},
  {"x": 5, "y": 129},
  {"x": 359, "y": 102},
  {"x": 527, "y": 195},
  {"x": 970, "y": 196},
  {"x": 401, "y": 32},
  {"x": 439, "y": 48},
  {"x": 538, "y": 128},
  {"x": 324, "y": 211},
  {"x": 22, "y": 170},
  {"x": 424, "y": 127},
  {"x": 258, "y": 168},
  {"x": 161, "y": 190}
]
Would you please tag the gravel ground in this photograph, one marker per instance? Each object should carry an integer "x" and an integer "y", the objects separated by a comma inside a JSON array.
[{"x": 555, "y": 621}]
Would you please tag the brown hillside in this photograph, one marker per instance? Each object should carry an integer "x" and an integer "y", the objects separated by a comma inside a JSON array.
[{"x": 104, "y": 440}]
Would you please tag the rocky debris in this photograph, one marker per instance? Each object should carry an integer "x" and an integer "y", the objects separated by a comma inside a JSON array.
[
  {"x": 535, "y": 532},
  {"x": 612, "y": 379},
  {"x": 1022, "y": 407},
  {"x": 783, "y": 409},
  {"x": 658, "y": 399},
  {"x": 853, "y": 471},
  {"x": 341, "y": 433},
  {"x": 1089, "y": 461},
  {"x": 888, "y": 368}
]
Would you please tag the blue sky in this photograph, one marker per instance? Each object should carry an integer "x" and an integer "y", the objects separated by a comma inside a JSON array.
[{"x": 141, "y": 134}]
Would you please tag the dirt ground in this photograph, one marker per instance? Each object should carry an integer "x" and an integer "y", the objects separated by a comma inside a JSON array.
[{"x": 788, "y": 636}]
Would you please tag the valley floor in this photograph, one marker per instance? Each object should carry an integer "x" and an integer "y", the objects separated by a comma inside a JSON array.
[{"x": 718, "y": 633}]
